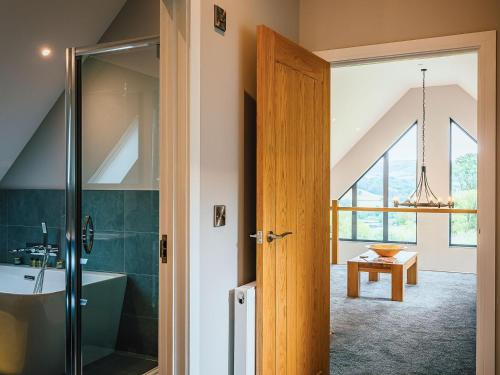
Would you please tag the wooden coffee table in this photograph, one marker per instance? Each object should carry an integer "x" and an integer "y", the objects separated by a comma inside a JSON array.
[{"x": 373, "y": 264}]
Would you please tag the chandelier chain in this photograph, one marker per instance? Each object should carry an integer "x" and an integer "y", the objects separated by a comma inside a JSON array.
[
  {"x": 423, "y": 116},
  {"x": 423, "y": 196}
]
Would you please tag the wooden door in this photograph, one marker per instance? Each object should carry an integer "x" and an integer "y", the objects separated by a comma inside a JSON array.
[{"x": 293, "y": 159}]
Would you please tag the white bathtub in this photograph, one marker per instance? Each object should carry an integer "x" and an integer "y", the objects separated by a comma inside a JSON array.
[{"x": 32, "y": 326}]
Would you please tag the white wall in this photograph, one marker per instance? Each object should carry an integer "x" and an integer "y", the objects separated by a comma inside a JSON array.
[
  {"x": 228, "y": 89},
  {"x": 443, "y": 103}
]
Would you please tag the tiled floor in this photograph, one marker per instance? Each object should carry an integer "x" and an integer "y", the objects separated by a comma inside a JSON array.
[{"x": 121, "y": 364}]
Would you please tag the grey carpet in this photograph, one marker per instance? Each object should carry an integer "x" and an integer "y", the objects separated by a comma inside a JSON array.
[{"x": 431, "y": 332}]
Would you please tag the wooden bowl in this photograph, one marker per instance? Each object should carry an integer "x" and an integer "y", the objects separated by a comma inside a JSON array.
[{"x": 386, "y": 250}]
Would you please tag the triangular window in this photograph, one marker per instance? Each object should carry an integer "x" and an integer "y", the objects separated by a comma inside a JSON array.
[{"x": 394, "y": 174}]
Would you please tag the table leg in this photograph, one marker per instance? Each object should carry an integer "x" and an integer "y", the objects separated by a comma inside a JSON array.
[
  {"x": 397, "y": 283},
  {"x": 373, "y": 276},
  {"x": 352, "y": 279},
  {"x": 412, "y": 274}
]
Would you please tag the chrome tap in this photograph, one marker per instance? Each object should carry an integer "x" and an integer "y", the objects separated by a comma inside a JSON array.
[
  {"x": 40, "y": 250},
  {"x": 46, "y": 251},
  {"x": 43, "y": 249}
]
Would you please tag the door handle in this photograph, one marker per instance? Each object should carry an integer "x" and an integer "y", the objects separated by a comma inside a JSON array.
[
  {"x": 88, "y": 234},
  {"x": 273, "y": 236}
]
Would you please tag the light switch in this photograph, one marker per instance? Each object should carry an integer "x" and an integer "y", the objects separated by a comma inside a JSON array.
[
  {"x": 219, "y": 215},
  {"x": 219, "y": 19}
]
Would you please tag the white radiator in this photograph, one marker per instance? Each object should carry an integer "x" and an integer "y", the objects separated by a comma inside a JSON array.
[{"x": 244, "y": 330}]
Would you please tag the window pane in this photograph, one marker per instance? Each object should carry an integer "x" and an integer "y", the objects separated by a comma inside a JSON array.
[
  {"x": 370, "y": 190},
  {"x": 463, "y": 186},
  {"x": 402, "y": 182},
  {"x": 345, "y": 217},
  {"x": 403, "y": 166},
  {"x": 463, "y": 229},
  {"x": 402, "y": 227}
]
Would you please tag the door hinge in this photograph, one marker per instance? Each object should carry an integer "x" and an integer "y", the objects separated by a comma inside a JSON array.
[{"x": 164, "y": 248}]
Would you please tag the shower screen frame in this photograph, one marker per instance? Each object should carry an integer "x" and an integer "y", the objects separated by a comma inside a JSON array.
[{"x": 74, "y": 188}]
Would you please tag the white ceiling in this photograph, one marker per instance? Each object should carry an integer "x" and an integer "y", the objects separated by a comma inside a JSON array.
[
  {"x": 361, "y": 94},
  {"x": 30, "y": 84}
]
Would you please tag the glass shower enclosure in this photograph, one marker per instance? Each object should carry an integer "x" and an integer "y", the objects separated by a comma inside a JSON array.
[{"x": 112, "y": 215}]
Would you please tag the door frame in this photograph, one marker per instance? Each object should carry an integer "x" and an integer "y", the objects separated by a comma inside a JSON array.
[
  {"x": 179, "y": 211},
  {"x": 175, "y": 185},
  {"x": 484, "y": 43}
]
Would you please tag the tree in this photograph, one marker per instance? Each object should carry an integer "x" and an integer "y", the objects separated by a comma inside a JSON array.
[{"x": 465, "y": 172}]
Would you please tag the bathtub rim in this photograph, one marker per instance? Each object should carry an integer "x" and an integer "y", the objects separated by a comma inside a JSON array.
[{"x": 109, "y": 276}]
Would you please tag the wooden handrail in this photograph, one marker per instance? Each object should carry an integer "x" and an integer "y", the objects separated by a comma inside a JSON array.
[
  {"x": 410, "y": 209},
  {"x": 335, "y": 218}
]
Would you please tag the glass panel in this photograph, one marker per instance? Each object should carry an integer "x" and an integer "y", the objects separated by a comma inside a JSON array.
[
  {"x": 370, "y": 193},
  {"x": 402, "y": 159},
  {"x": 119, "y": 99},
  {"x": 345, "y": 217},
  {"x": 463, "y": 227},
  {"x": 402, "y": 227}
]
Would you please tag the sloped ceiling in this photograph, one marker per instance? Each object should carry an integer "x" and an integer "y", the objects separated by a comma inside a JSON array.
[
  {"x": 29, "y": 83},
  {"x": 362, "y": 93}
]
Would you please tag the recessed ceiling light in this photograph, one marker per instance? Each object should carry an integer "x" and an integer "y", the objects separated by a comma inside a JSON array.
[
  {"x": 358, "y": 129},
  {"x": 45, "y": 52}
]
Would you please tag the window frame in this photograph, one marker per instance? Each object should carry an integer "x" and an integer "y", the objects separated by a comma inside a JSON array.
[
  {"x": 450, "y": 178},
  {"x": 385, "y": 179}
]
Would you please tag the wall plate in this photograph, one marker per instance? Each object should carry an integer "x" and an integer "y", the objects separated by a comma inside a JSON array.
[
  {"x": 219, "y": 216},
  {"x": 219, "y": 19}
]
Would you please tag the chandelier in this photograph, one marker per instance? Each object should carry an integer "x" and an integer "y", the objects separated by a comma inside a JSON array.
[{"x": 423, "y": 196}]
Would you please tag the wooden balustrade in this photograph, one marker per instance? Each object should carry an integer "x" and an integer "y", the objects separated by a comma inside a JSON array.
[{"x": 335, "y": 209}]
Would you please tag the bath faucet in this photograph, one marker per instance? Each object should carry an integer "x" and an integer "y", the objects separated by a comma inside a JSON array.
[
  {"x": 42, "y": 250},
  {"x": 45, "y": 250}
]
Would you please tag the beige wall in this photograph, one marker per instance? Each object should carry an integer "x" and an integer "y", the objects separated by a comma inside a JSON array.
[
  {"x": 227, "y": 162},
  {"x": 328, "y": 24},
  {"x": 443, "y": 103}
]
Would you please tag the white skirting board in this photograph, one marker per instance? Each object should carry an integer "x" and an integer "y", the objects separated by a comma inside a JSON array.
[{"x": 244, "y": 330}]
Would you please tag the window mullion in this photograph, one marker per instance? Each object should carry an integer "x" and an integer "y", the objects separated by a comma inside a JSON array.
[
  {"x": 385, "y": 215},
  {"x": 354, "y": 222}
]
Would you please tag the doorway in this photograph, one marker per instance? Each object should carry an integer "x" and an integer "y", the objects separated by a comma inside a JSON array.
[
  {"x": 112, "y": 215},
  {"x": 484, "y": 45},
  {"x": 376, "y": 162}
]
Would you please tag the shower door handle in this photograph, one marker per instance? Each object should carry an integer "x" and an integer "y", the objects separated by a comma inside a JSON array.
[{"x": 88, "y": 234}]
